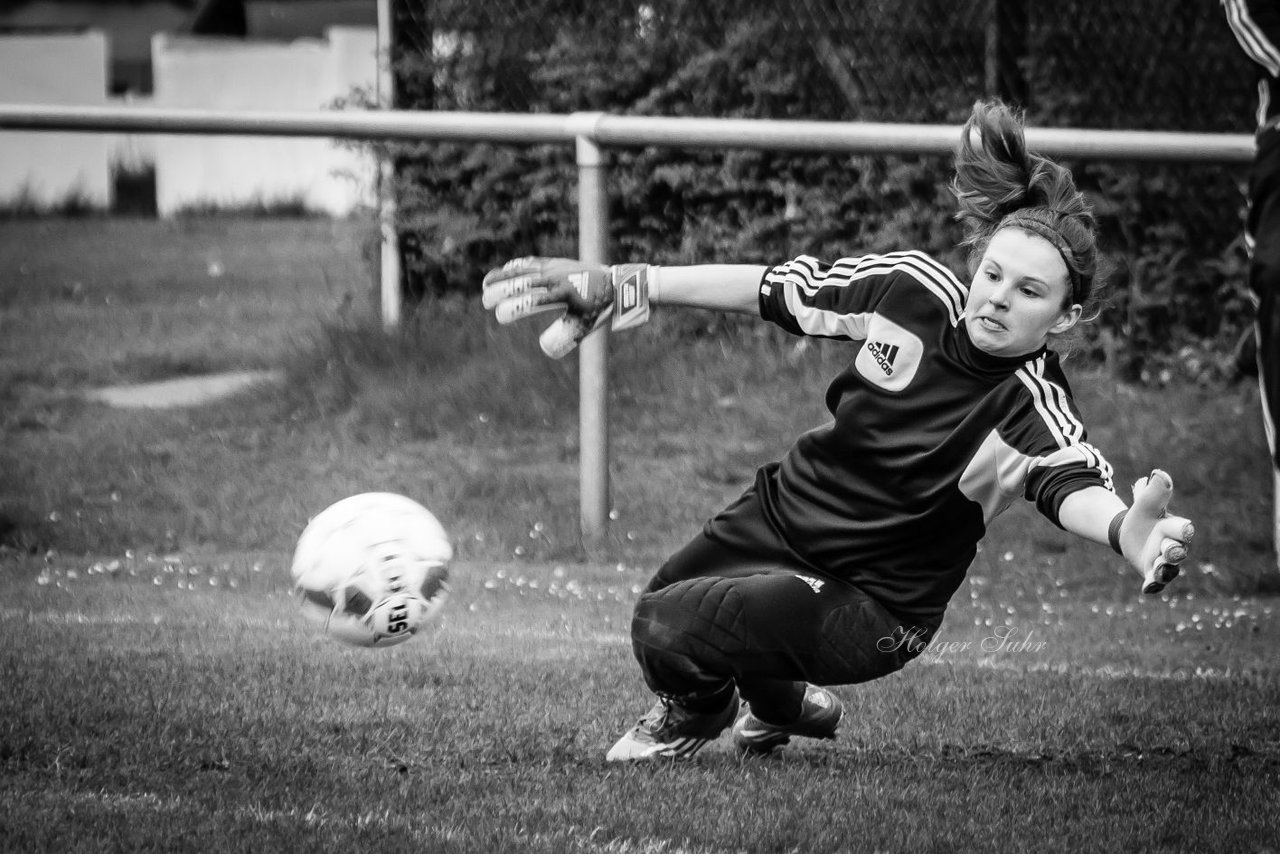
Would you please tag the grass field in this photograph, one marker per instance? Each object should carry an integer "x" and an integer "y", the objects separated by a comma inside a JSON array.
[{"x": 162, "y": 691}]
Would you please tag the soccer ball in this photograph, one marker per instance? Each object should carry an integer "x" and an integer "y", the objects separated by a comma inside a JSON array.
[{"x": 373, "y": 569}]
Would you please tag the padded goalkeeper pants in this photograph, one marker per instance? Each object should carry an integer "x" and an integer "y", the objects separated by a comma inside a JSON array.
[{"x": 715, "y": 616}]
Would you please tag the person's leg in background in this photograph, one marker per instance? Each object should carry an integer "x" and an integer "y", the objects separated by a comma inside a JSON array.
[{"x": 1263, "y": 238}]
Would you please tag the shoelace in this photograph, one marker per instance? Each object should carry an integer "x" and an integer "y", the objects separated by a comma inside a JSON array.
[{"x": 657, "y": 716}]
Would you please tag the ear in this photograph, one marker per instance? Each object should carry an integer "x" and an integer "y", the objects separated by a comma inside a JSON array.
[{"x": 1069, "y": 318}]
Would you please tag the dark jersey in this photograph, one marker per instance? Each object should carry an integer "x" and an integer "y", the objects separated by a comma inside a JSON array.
[
  {"x": 1256, "y": 25},
  {"x": 931, "y": 437}
]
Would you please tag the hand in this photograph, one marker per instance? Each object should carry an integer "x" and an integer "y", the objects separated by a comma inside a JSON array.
[
  {"x": 586, "y": 294},
  {"x": 1151, "y": 540}
]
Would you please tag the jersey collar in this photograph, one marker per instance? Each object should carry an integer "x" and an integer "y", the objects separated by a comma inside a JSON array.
[{"x": 984, "y": 363}]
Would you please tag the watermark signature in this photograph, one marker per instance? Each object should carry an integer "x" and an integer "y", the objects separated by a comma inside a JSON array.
[{"x": 1002, "y": 640}]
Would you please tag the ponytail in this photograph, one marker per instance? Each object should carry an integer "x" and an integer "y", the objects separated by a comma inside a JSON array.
[{"x": 1000, "y": 184}]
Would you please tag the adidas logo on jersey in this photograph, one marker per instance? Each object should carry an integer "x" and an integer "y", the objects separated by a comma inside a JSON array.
[
  {"x": 815, "y": 583},
  {"x": 890, "y": 356},
  {"x": 884, "y": 354}
]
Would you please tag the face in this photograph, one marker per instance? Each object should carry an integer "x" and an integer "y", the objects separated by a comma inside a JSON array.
[{"x": 1017, "y": 295}]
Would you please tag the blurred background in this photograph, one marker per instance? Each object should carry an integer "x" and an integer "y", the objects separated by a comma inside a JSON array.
[{"x": 1171, "y": 231}]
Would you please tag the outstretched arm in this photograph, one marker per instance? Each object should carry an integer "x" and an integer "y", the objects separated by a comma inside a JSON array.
[
  {"x": 1151, "y": 541},
  {"x": 721, "y": 287}
]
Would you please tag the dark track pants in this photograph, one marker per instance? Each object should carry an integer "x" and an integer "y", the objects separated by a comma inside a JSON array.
[{"x": 715, "y": 615}]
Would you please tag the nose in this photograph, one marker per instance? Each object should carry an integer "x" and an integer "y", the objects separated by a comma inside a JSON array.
[{"x": 999, "y": 296}]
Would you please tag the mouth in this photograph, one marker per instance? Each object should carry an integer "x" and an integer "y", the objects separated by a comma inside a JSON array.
[{"x": 991, "y": 324}]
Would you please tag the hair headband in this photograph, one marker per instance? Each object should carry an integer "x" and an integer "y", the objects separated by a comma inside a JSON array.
[{"x": 1022, "y": 219}]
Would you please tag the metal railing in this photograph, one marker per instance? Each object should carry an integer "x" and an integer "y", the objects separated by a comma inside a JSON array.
[
  {"x": 612, "y": 131},
  {"x": 593, "y": 134}
]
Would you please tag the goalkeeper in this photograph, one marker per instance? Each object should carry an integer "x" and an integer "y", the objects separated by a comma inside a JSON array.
[{"x": 836, "y": 565}]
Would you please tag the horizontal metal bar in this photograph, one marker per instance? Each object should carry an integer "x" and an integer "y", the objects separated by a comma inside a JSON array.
[
  {"x": 1143, "y": 145},
  {"x": 370, "y": 124},
  {"x": 878, "y": 137},
  {"x": 622, "y": 131},
  {"x": 867, "y": 137}
]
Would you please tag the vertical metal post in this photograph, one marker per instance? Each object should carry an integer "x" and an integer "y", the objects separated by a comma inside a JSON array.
[
  {"x": 593, "y": 353},
  {"x": 389, "y": 248}
]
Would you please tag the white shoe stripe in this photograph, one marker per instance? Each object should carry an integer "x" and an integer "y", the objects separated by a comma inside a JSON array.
[{"x": 629, "y": 747}]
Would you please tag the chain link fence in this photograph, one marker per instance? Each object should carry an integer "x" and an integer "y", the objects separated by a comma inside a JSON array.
[{"x": 1173, "y": 230}]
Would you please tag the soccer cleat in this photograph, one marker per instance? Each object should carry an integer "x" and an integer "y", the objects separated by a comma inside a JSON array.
[
  {"x": 820, "y": 714},
  {"x": 669, "y": 730}
]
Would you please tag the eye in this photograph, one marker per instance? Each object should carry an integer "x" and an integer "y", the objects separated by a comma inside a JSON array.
[{"x": 1030, "y": 291}]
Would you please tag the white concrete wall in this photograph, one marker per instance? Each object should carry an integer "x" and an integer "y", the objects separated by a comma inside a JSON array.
[
  {"x": 213, "y": 73},
  {"x": 49, "y": 169}
]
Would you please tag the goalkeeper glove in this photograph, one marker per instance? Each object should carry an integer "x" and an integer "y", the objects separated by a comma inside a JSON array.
[
  {"x": 588, "y": 295},
  {"x": 1148, "y": 537}
]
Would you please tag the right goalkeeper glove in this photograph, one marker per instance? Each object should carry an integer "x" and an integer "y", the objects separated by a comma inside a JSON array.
[{"x": 589, "y": 296}]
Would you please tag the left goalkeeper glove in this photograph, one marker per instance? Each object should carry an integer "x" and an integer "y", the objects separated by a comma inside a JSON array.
[{"x": 589, "y": 296}]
